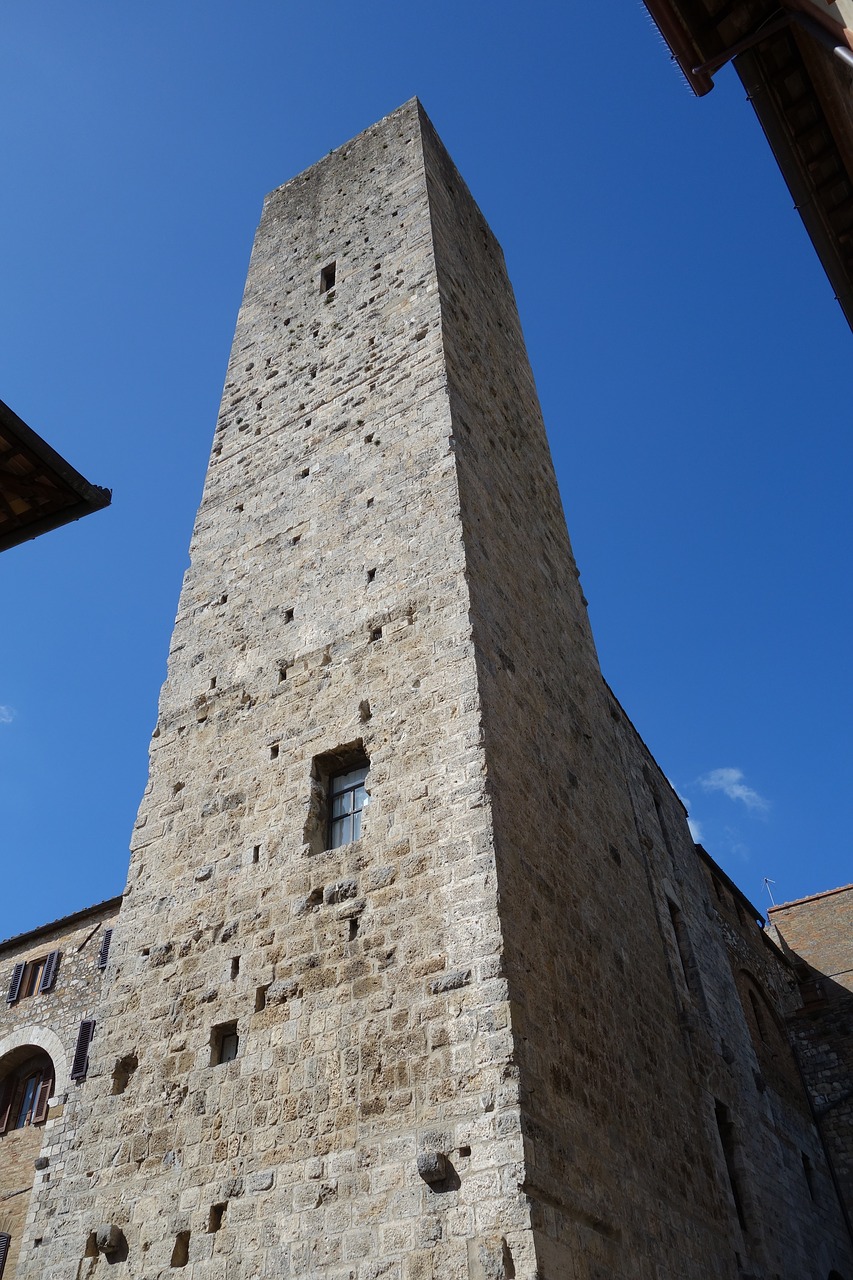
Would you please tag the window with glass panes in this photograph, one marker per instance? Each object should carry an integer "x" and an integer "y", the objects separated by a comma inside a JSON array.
[
  {"x": 25, "y": 1092},
  {"x": 347, "y": 798}
]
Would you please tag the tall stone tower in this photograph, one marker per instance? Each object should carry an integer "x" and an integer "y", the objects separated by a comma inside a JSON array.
[{"x": 405, "y": 980}]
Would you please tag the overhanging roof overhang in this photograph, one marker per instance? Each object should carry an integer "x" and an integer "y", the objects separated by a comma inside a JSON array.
[
  {"x": 801, "y": 92},
  {"x": 39, "y": 490}
]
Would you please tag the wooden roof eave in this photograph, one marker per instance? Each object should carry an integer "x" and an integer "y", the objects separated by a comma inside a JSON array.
[
  {"x": 752, "y": 69},
  {"x": 83, "y": 498},
  {"x": 667, "y": 18},
  {"x": 748, "y": 33}
]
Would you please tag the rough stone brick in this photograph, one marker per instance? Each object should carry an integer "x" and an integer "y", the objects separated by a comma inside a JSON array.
[{"x": 518, "y": 965}]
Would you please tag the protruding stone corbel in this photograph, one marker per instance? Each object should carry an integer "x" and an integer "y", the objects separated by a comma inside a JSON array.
[
  {"x": 432, "y": 1166},
  {"x": 108, "y": 1238}
]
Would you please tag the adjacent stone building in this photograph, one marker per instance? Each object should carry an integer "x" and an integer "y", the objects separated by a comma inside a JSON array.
[
  {"x": 54, "y": 980},
  {"x": 817, "y": 936},
  {"x": 417, "y": 973}
]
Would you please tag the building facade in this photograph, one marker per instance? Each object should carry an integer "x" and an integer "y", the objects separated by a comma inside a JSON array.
[
  {"x": 816, "y": 934},
  {"x": 417, "y": 972},
  {"x": 54, "y": 978}
]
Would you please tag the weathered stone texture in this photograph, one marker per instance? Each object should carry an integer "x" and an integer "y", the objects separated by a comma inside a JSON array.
[
  {"x": 499, "y": 1035},
  {"x": 817, "y": 934},
  {"x": 47, "y": 1023},
  {"x": 359, "y": 1048}
]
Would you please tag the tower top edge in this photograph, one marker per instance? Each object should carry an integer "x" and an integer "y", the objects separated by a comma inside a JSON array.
[{"x": 412, "y": 107}]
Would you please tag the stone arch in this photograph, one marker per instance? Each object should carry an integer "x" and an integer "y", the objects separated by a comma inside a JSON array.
[
  {"x": 17, "y": 1050},
  {"x": 13, "y": 1047},
  {"x": 769, "y": 1038},
  {"x": 770, "y": 1014}
]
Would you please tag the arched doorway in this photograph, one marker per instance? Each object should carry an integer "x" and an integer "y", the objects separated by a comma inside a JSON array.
[{"x": 27, "y": 1082}]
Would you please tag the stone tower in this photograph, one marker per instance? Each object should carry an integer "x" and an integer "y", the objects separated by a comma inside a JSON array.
[{"x": 406, "y": 978}]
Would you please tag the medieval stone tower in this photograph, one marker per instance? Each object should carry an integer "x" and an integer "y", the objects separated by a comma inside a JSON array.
[{"x": 415, "y": 975}]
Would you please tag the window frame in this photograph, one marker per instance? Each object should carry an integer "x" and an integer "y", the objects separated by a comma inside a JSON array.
[
  {"x": 350, "y": 819},
  {"x": 34, "y": 977},
  {"x": 326, "y": 769}
]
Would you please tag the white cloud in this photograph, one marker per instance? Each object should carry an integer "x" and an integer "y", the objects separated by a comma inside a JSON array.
[
  {"x": 731, "y": 783},
  {"x": 7, "y": 715},
  {"x": 736, "y": 845},
  {"x": 694, "y": 827},
  {"x": 695, "y": 830}
]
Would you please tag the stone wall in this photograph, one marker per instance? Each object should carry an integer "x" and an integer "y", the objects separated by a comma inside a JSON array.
[
  {"x": 326, "y": 609},
  {"x": 47, "y": 1022},
  {"x": 499, "y": 1034},
  {"x": 621, "y": 990},
  {"x": 817, "y": 934}
]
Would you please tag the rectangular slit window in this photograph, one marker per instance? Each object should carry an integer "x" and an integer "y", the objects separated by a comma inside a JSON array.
[
  {"x": 727, "y": 1142},
  {"x": 214, "y": 1219},
  {"x": 181, "y": 1251},
  {"x": 327, "y": 277},
  {"x": 808, "y": 1170}
]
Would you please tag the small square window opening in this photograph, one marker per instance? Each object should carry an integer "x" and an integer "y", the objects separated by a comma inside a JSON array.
[
  {"x": 224, "y": 1043},
  {"x": 327, "y": 277}
]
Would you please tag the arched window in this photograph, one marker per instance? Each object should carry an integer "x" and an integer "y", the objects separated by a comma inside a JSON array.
[
  {"x": 763, "y": 1020},
  {"x": 776, "y": 1062},
  {"x": 25, "y": 1091}
]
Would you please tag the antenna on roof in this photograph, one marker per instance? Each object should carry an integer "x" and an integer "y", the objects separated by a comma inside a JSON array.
[{"x": 767, "y": 884}]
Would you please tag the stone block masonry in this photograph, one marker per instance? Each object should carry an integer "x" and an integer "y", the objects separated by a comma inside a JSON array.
[
  {"x": 43, "y": 1003},
  {"x": 817, "y": 933},
  {"x": 459, "y": 1033}
]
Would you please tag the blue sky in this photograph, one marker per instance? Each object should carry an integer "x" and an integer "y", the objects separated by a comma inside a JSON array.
[{"x": 688, "y": 351}]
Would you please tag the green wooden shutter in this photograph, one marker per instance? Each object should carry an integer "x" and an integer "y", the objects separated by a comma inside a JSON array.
[
  {"x": 6, "y": 1094},
  {"x": 105, "y": 948},
  {"x": 15, "y": 984},
  {"x": 48, "y": 973},
  {"x": 80, "y": 1064},
  {"x": 5, "y": 1241},
  {"x": 40, "y": 1105}
]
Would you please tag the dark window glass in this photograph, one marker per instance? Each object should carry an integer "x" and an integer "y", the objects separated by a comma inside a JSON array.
[
  {"x": 347, "y": 798},
  {"x": 28, "y": 1097}
]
